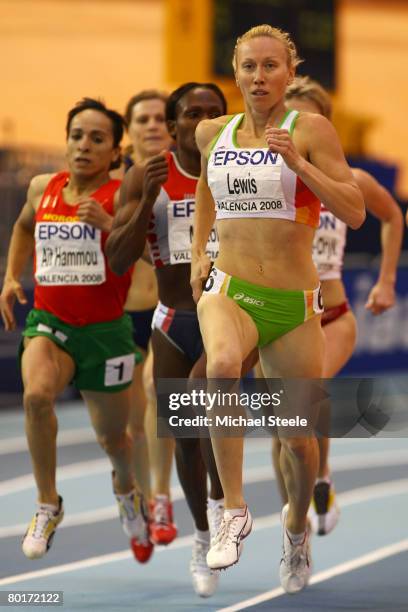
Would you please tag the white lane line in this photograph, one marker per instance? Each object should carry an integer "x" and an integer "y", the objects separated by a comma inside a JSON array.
[
  {"x": 69, "y": 437},
  {"x": 256, "y": 474},
  {"x": 251, "y": 475},
  {"x": 337, "y": 570},
  {"x": 386, "y": 489},
  {"x": 90, "y": 562}
]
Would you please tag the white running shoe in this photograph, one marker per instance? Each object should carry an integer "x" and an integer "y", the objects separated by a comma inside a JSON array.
[
  {"x": 227, "y": 545},
  {"x": 296, "y": 564},
  {"x": 215, "y": 514},
  {"x": 133, "y": 515},
  {"x": 40, "y": 533},
  {"x": 205, "y": 581},
  {"x": 323, "y": 512}
]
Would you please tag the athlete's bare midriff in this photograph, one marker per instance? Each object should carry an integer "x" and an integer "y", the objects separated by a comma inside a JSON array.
[
  {"x": 271, "y": 252},
  {"x": 142, "y": 294},
  {"x": 174, "y": 286}
]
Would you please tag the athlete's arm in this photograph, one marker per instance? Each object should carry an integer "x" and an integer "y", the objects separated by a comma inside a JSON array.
[
  {"x": 20, "y": 250},
  {"x": 204, "y": 214},
  {"x": 383, "y": 206},
  {"x": 138, "y": 193},
  {"x": 327, "y": 173}
]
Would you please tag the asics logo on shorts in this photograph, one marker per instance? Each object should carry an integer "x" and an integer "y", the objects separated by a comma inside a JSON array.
[{"x": 248, "y": 299}]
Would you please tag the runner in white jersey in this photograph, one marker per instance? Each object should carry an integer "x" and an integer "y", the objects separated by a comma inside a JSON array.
[
  {"x": 153, "y": 456},
  {"x": 264, "y": 289},
  {"x": 338, "y": 322}
]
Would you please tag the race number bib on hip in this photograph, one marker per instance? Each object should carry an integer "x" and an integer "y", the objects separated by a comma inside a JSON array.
[
  {"x": 180, "y": 232},
  {"x": 69, "y": 254}
]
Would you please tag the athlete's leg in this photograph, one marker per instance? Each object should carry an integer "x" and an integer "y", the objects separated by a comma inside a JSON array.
[
  {"x": 199, "y": 371},
  {"x": 229, "y": 335},
  {"x": 46, "y": 371},
  {"x": 297, "y": 354},
  {"x": 109, "y": 413},
  {"x": 340, "y": 339},
  {"x": 136, "y": 429},
  {"x": 169, "y": 362},
  {"x": 161, "y": 450}
]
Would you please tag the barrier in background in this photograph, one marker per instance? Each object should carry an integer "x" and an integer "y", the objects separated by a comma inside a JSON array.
[{"x": 382, "y": 342}]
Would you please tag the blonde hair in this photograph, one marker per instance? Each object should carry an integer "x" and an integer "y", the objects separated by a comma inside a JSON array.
[
  {"x": 271, "y": 32},
  {"x": 304, "y": 87}
]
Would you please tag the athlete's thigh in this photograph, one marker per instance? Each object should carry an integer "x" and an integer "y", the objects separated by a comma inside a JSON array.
[
  {"x": 168, "y": 360},
  {"x": 297, "y": 354},
  {"x": 46, "y": 365},
  {"x": 340, "y": 339},
  {"x": 224, "y": 324},
  {"x": 109, "y": 412}
]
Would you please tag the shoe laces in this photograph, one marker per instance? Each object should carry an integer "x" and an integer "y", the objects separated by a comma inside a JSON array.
[
  {"x": 127, "y": 506},
  {"x": 161, "y": 511},
  {"x": 215, "y": 517},
  {"x": 295, "y": 555},
  {"x": 42, "y": 518},
  {"x": 228, "y": 530},
  {"x": 199, "y": 556}
]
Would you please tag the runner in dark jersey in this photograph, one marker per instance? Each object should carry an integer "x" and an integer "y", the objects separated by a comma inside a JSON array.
[{"x": 159, "y": 204}]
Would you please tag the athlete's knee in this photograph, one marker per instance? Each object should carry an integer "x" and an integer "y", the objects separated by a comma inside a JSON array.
[
  {"x": 300, "y": 448},
  {"x": 38, "y": 401},
  {"x": 114, "y": 443},
  {"x": 223, "y": 363},
  {"x": 137, "y": 433},
  {"x": 188, "y": 447}
]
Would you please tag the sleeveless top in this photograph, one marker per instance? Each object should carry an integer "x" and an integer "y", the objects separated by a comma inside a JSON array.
[
  {"x": 328, "y": 246},
  {"x": 170, "y": 229},
  {"x": 73, "y": 279},
  {"x": 254, "y": 182}
]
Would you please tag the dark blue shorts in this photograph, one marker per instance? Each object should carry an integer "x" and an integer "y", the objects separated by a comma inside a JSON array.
[
  {"x": 181, "y": 328},
  {"x": 142, "y": 326}
]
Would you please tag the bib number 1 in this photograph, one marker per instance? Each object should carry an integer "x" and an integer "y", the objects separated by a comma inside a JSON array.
[{"x": 119, "y": 370}]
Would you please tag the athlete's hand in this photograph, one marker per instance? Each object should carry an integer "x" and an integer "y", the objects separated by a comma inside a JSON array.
[
  {"x": 381, "y": 297},
  {"x": 90, "y": 211},
  {"x": 155, "y": 175},
  {"x": 280, "y": 141},
  {"x": 200, "y": 269},
  {"x": 12, "y": 289}
]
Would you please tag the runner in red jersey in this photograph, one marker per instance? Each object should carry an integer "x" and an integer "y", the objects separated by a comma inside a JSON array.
[
  {"x": 159, "y": 203},
  {"x": 77, "y": 331}
]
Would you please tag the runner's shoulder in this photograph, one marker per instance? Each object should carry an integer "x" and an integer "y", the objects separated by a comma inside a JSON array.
[
  {"x": 208, "y": 129},
  {"x": 38, "y": 185}
]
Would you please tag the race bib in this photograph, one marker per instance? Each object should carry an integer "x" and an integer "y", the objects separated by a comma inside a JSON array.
[
  {"x": 328, "y": 245},
  {"x": 68, "y": 254},
  {"x": 119, "y": 370},
  {"x": 180, "y": 232},
  {"x": 247, "y": 182}
]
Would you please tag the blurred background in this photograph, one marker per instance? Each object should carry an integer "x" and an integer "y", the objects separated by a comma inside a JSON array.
[{"x": 54, "y": 52}]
